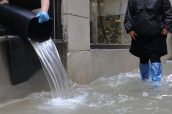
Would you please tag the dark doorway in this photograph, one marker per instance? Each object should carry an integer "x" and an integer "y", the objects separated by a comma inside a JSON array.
[{"x": 55, "y": 13}]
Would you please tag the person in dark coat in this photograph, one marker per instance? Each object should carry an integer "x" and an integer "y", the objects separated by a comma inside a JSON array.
[
  {"x": 39, "y": 6},
  {"x": 148, "y": 22}
]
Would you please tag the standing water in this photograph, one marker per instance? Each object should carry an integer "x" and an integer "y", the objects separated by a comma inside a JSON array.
[
  {"x": 52, "y": 66},
  {"x": 124, "y": 93}
]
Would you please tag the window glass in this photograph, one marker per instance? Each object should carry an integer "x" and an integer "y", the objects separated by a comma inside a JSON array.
[{"x": 106, "y": 23}]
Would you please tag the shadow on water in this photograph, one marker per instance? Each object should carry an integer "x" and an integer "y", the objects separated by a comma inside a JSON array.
[{"x": 120, "y": 94}]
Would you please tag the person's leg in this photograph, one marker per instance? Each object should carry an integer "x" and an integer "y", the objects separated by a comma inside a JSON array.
[
  {"x": 144, "y": 68},
  {"x": 155, "y": 70}
]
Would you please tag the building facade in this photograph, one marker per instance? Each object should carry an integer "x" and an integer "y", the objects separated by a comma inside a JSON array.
[
  {"x": 97, "y": 44},
  {"x": 91, "y": 40}
]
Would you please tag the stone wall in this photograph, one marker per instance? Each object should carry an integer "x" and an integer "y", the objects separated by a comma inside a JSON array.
[
  {"x": 84, "y": 65},
  {"x": 76, "y": 16}
]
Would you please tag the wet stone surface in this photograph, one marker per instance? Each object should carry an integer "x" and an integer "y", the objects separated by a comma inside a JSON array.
[{"x": 124, "y": 93}]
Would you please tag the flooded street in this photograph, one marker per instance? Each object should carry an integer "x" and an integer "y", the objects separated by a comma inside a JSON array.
[{"x": 124, "y": 93}]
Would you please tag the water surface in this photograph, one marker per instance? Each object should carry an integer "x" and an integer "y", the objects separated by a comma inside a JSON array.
[{"x": 124, "y": 93}]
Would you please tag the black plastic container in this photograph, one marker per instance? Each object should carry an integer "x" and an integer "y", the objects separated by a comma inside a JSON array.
[
  {"x": 24, "y": 62},
  {"x": 25, "y": 23}
]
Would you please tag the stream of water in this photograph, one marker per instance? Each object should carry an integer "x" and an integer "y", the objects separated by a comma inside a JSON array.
[
  {"x": 52, "y": 66},
  {"x": 124, "y": 93}
]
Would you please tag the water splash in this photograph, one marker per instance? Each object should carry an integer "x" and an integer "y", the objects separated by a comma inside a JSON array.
[
  {"x": 52, "y": 66},
  {"x": 125, "y": 93}
]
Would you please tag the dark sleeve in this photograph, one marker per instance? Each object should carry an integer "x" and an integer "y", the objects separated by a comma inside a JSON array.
[
  {"x": 128, "y": 21},
  {"x": 167, "y": 9},
  {"x": 26, "y": 4}
]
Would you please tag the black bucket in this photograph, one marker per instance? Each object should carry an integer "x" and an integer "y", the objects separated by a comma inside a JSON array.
[
  {"x": 24, "y": 62},
  {"x": 25, "y": 23}
]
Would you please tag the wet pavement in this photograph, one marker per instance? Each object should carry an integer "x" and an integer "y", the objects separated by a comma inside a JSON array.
[{"x": 124, "y": 93}]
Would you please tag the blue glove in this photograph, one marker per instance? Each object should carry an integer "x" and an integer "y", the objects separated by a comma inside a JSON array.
[{"x": 43, "y": 17}]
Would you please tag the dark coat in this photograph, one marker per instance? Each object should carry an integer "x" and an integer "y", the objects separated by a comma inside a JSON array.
[
  {"x": 27, "y": 4},
  {"x": 147, "y": 18}
]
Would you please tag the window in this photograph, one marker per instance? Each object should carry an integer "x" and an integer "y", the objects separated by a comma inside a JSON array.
[{"x": 107, "y": 22}]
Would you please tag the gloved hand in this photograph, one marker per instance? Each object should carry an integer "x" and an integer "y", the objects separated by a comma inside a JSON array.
[{"x": 43, "y": 16}]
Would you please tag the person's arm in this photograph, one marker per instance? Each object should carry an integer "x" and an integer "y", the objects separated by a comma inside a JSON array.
[
  {"x": 45, "y": 5},
  {"x": 128, "y": 20},
  {"x": 167, "y": 12},
  {"x": 3, "y": 1},
  {"x": 43, "y": 13}
]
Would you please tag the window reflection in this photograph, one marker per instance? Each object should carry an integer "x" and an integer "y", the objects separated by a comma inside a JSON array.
[{"x": 107, "y": 22}]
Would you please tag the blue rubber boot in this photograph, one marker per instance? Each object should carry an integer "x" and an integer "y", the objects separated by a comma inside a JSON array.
[
  {"x": 144, "y": 71},
  {"x": 156, "y": 73}
]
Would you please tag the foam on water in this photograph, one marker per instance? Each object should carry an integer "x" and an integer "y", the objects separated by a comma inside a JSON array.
[
  {"x": 125, "y": 93},
  {"x": 70, "y": 103}
]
